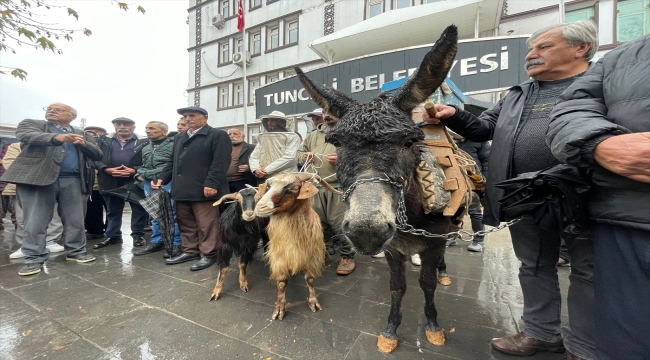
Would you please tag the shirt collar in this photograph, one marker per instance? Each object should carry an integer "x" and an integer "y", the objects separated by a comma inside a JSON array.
[
  {"x": 191, "y": 133},
  {"x": 68, "y": 128}
]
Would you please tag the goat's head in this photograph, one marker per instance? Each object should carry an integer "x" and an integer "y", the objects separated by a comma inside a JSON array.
[
  {"x": 246, "y": 200},
  {"x": 375, "y": 140},
  {"x": 282, "y": 193}
]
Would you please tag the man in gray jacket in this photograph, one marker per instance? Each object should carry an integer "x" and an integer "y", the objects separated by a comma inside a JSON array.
[
  {"x": 517, "y": 127},
  {"x": 602, "y": 125},
  {"x": 53, "y": 166}
]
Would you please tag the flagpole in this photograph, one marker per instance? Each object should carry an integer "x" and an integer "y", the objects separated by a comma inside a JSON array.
[{"x": 245, "y": 84}]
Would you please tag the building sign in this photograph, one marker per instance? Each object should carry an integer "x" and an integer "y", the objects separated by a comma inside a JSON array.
[{"x": 480, "y": 66}]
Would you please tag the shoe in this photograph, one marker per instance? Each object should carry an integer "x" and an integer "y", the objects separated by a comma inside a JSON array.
[
  {"x": 563, "y": 262},
  {"x": 523, "y": 345},
  {"x": 379, "y": 255},
  {"x": 18, "y": 254},
  {"x": 572, "y": 356},
  {"x": 54, "y": 247},
  {"x": 204, "y": 263},
  {"x": 139, "y": 241},
  {"x": 30, "y": 269},
  {"x": 81, "y": 258},
  {"x": 94, "y": 236},
  {"x": 176, "y": 250},
  {"x": 452, "y": 242},
  {"x": 183, "y": 257},
  {"x": 475, "y": 247},
  {"x": 346, "y": 266},
  {"x": 150, "y": 248},
  {"x": 107, "y": 242},
  {"x": 415, "y": 260}
]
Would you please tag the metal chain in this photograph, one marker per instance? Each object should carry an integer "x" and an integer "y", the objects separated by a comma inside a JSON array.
[{"x": 402, "y": 220}]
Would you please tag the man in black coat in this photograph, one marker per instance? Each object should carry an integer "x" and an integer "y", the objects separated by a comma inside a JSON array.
[
  {"x": 239, "y": 174},
  {"x": 198, "y": 168},
  {"x": 122, "y": 157}
]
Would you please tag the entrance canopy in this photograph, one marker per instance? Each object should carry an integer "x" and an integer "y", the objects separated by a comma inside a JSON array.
[{"x": 411, "y": 26}]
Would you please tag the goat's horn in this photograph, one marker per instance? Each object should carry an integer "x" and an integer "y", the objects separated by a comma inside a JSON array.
[
  {"x": 327, "y": 186},
  {"x": 306, "y": 176},
  {"x": 225, "y": 197},
  {"x": 250, "y": 186}
]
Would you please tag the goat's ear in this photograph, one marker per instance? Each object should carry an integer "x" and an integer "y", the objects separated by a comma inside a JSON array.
[
  {"x": 307, "y": 190},
  {"x": 260, "y": 191},
  {"x": 432, "y": 72},
  {"x": 331, "y": 100},
  {"x": 224, "y": 198}
]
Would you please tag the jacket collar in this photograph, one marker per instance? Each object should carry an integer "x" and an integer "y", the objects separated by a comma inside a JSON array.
[{"x": 184, "y": 137}]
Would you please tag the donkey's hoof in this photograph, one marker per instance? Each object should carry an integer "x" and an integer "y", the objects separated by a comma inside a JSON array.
[
  {"x": 385, "y": 344},
  {"x": 444, "y": 280},
  {"x": 436, "y": 337}
]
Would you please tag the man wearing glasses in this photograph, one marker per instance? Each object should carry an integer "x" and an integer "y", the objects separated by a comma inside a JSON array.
[{"x": 53, "y": 167}]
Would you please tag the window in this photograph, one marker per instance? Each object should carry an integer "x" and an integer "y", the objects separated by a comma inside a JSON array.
[
  {"x": 375, "y": 7},
  {"x": 223, "y": 96},
  {"x": 239, "y": 94},
  {"x": 225, "y": 8},
  {"x": 254, "y": 84},
  {"x": 292, "y": 31},
  {"x": 431, "y": 1},
  {"x": 288, "y": 73},
  {"x": 274, "y": 37},
  {"x": 239, "y": 45},
  {"x": 256, "y": 45},
  {"x": 225, "y": 52},
  {"x": 271, "y": 78},
  {"x": 580, "y": 14},
  {"x": 632, "y": 19},
  {"x": 402, "y": 4},
  {"x": 253, "y": 132},
  {"x": 256, "y": 3}
]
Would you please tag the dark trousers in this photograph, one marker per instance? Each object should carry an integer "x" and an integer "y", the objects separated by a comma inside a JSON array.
[
  {"x": 199, "y": 223},
  {"x": 7, "y": 206},
  {"x": 476, "y": 215},
  {"x": 236, "y": 185},
  {"x": 622, "y": 292},
  {"x": 114, "y": 211},
  {"x": 541, "y": 289},
  {"x": 95, "y": 223}
]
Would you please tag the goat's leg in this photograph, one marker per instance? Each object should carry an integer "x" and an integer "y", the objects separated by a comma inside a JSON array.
[
  {"x": 217, "y": 288},
  {"x": 243, "y": 283},
  {"x": 428, "y": 283},
  {"x": 312, "y": 300},
  {"x": 387, "y": 340},
  {"x": 278, "y": 311},
  {"x": 443, "y": 277}
]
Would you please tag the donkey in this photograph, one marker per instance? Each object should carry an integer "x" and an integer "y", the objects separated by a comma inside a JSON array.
[{"x": 377, "y": 161}]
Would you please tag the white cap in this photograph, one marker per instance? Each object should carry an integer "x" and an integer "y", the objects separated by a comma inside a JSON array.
[{"x": 316, "y": 112}]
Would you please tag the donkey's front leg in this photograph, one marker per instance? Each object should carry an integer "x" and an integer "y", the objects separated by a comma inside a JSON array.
[
  {"x": 443, "y": 277},
  {"x": 387, "y": 340},
  {"x": 428, "y": 282}
]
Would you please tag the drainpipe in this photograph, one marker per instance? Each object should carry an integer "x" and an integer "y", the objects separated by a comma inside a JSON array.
[
  {"x": 477, "y": 22},
  {"x": 561, "y": 11}
]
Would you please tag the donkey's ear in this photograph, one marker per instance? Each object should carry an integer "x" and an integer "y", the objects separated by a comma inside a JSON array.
[
  {"x": 432, "y": 72},
  {"x": 331, "y": 100}
]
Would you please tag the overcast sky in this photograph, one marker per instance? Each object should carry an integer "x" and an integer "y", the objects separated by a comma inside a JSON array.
[{"x": 133, "y": 65}]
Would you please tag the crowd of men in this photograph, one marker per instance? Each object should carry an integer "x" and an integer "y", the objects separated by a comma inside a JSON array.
[{"x": 594, "y": 116}]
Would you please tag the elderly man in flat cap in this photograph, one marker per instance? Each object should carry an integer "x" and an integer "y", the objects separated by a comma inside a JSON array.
[
  {"x": 201, "y": 158},
  {"x": 122, "y": 157}
]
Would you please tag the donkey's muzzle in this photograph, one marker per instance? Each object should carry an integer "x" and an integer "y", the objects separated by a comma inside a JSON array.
[{"x": 368, "y": 236}]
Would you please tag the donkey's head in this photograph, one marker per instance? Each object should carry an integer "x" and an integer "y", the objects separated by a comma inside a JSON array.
[{"x": 375, "y": 140}]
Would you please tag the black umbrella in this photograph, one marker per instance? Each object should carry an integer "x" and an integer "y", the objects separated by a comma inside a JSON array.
[
  {"x": 132, "y": 192},
  {"x": 159, "y": 206},
  {"x": 555, "y": 197}
]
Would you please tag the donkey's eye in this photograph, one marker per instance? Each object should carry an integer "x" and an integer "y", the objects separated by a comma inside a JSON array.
[{"x": 408, "y": 144}]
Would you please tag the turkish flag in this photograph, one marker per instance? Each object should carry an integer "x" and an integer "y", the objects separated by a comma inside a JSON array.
[{"x": 240, "y": 16}]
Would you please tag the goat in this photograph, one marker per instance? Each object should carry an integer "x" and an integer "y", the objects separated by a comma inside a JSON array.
[
  {"x": 377, "y": 160},
  {"x": 295, "y": 233},
  {"x": 240, "y": 233}
]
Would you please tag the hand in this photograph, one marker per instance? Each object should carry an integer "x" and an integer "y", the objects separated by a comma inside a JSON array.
[
  {"x": 242, "y": 168},
  {"x": 443, "y": 112},
  {"x": 70, "y": 138},
  {"x": 260, "y": 173},
  {"x": 309, "y": 157},
  {"x": 331, "y": 159},
  {"x": 127, "y": 170},
  {"x": 156, "y": 185},
  {"x": 110, "y": 171},
  {"x": 209, "y": 192},
  {"x": 140, "y": 178},
  {"x": 627, "y": 155}
]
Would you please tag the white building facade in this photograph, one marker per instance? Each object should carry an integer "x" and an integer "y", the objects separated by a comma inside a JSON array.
[{"x": 279, "y": 32}]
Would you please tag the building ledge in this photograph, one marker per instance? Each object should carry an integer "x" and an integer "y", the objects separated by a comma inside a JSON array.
[{"x": 281, "y": 47}]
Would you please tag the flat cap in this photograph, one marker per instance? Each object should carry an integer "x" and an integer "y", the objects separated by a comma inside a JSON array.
[
  {"x": 197, "y": 109},
  {"x": 91, "y": 128},
  {"x": 123, "y": 120}
]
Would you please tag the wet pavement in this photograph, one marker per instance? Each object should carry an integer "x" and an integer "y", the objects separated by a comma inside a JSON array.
[{"x": 126, "y": 307}]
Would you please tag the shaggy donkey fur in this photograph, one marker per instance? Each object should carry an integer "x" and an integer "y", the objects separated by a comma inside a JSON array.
[
  {"x": 296, "y": 237},
  {"x": 240, "y": 233},
  {"x": 379, "y": 140}
]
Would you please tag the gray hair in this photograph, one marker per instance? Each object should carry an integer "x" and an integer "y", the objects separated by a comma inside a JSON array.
[
  {"x": 575, "y": 34},
  {"x": 73, "y": 111},
  {"x": 162, "y": 125}
]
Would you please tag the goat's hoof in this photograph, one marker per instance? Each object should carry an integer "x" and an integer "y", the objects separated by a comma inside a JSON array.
[
  {"x": 243, "y": 286},
  {"x": 278, "y": 312},
  {"x": 436, "y": 337},
  {"x": 314, "y": 305},
  {"x": 385, "y": 344},
  {"x": 215, "y": 295},
  {"x": 444, "y": 280}
]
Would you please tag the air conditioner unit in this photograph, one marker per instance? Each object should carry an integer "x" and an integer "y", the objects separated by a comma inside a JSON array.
[
  {"x": 218, "y": 21},
  {"x": 238, "y": 58}
]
